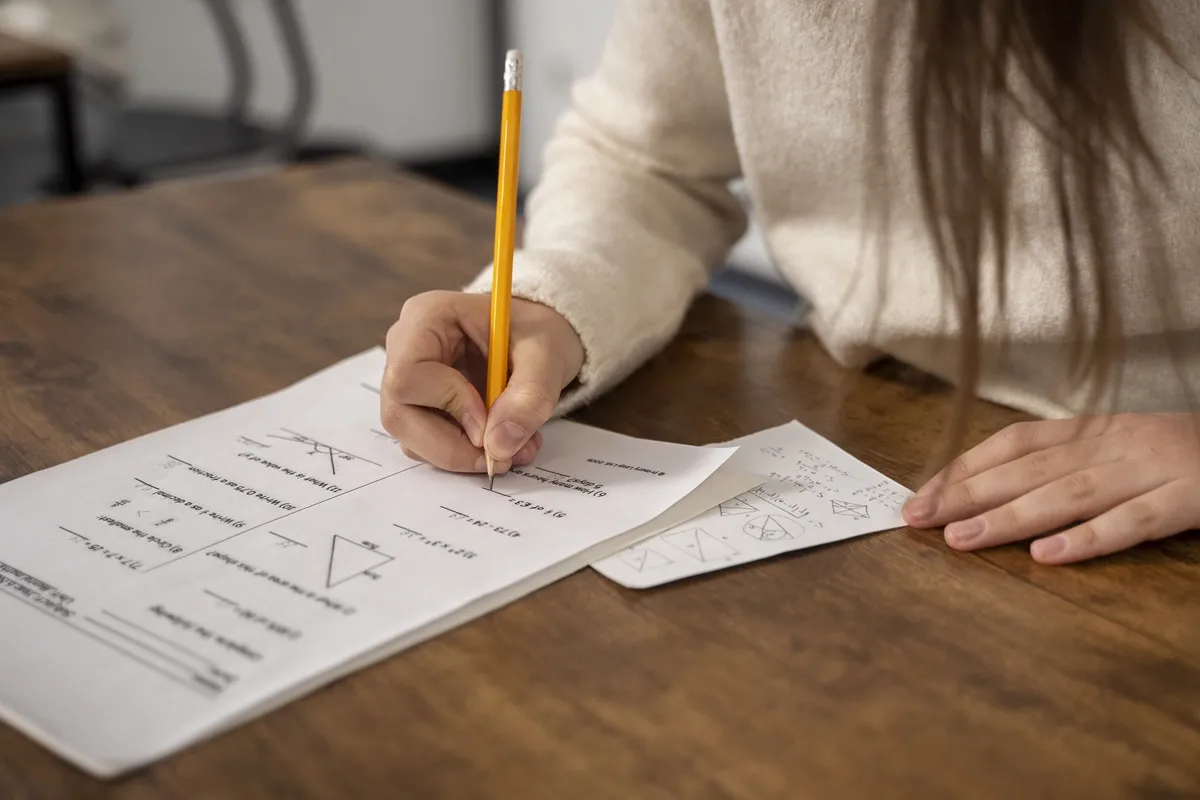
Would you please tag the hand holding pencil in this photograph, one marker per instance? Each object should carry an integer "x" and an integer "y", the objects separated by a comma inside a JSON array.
[{"x": 437, "y": 399}]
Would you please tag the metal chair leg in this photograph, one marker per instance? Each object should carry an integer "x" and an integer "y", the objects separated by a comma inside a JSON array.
[{"x": 67, "y": 133}]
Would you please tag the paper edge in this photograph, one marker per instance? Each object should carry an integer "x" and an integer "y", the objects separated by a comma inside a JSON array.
[{"x": 461, "y": 616}]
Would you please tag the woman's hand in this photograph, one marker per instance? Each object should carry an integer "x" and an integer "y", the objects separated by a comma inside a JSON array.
[
  {"x": 431, "y": 400},
  {"x": 1112, "y": 482}
]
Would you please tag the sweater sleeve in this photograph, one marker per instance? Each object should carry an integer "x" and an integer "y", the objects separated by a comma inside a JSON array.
[{"x": 634, "y": 206}]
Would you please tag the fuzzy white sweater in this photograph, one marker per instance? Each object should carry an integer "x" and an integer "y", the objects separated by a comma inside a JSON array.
[{"x": 634, "y": 207}]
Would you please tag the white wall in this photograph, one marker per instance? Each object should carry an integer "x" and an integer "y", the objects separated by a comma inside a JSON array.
[
  {"x": 562, "y": 41},
  {"x": 409, "y": 75}
]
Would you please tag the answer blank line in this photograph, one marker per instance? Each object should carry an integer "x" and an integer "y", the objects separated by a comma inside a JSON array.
[
  {"x": 190, "y": 668},
  {"x": 180, "y": 460},
  {"x": 113, "y": 646},
  {"x": 369, "y": 388},
  {"x": 219, "y": 597},
  {"x": 286, "y": 539},
  {"x": 162, "y": 639},
  {"x": 73, "y": 533},
  {"x": 552, "y": 472}
]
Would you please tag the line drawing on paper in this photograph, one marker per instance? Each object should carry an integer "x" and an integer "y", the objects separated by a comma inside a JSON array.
[
  {"x": 773, "y": 528},
  {"x": 700, "y": 545},
  {"x": 349, "y": 559},
  {"x": 286, "y": 543},
  {"x": 644, "y": 559},
  {"x": 317, "y": 448},
  {"x": 843, "y": 508},
  {"x": 736, "y": 507}
]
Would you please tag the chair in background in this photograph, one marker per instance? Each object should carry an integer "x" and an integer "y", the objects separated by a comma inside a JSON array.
[
  {"x": 156, "y": 142},
  {"x": 26, "y": 66}
]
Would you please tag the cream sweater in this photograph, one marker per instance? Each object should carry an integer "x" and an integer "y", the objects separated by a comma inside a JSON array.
[{"x": 634, "y": 207}]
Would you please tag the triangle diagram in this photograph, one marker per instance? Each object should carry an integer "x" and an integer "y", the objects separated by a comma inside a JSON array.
[
  {"x": 349, "y": 559},
  {"x": 735, "y": 507}
]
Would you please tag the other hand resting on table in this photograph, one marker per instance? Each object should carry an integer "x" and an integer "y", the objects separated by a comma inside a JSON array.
[{"x": 1111, "y": 481}]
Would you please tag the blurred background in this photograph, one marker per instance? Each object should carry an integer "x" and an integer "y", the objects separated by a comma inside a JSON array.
[{"x": 106, "y": 95}]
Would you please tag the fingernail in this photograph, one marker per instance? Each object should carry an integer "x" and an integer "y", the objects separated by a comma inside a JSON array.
[
  {"x": 481, "y": 464},
  {"x": 474, "y": 430},
  {"x": 505, "y": 439},
  {"x": 1049, "y": 548},
  {"x": 922, "y": 508},
  {"x": 965, "y": 531}
]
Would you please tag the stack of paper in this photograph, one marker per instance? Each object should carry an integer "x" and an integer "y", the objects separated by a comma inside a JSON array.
[
  {"x": 181, "y": 583},
  {"x": 174, "y": 585}
]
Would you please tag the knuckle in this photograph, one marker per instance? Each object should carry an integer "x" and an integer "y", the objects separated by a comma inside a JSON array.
[
  {"x": 964, "y": 496},
  {"x": 535, "y": 398},
  {"x": 1085, "y": 538},
  {"x": 393, "y": 419},
  {"x": 957, "y": 470},
  {"x": 1143, "y": 518},
  {"x": 1005, "y": 522},
  {"x": 1017, "y": 437},
  {"x": 398, "y": 383},
  {"x": 420, "y": 304},
  {"x": 1079, "y": 486},
  {"x": 451, "y": 398},
  {"x": 1038, "y": 464}
]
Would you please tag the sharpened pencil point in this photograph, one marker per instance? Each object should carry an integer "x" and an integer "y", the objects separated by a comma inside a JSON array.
[{"x": 491, "y": 468}]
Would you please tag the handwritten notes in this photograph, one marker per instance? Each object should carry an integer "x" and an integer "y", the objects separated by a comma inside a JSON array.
[
  {"x": 813, "y": 493},
  {"x": 172, "y": 586}
]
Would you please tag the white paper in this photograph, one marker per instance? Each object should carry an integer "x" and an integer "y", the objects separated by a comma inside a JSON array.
[
  {"x": 174, "y": 585},
  {"x": 813, "y": 493}
]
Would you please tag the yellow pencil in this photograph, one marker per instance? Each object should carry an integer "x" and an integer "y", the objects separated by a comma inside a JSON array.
[{"x": 506, "y": 222}]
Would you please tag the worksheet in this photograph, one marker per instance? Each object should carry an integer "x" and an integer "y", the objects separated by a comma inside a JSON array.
[
  {"x": 161, "y": 590},
  {"x": 813, "y": 493}
]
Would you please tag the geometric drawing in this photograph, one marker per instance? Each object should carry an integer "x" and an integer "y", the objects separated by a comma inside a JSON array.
[
  {"x": 699, "y": 544},
  {"x": 316, "y": 448},
  {"x": 853, "y": 510},
  {"x": 348, "y": 559},
  {"x": 736, "y": 507},
  {"x": 773, "y": 527},
  {"x": 642, "y": 559}
]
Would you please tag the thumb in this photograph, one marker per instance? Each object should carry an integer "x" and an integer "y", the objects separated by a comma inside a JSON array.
[{"x": 523, "y": 407}]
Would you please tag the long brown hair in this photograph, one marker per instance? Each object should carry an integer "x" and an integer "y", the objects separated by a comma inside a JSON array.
[{"x": 973, "y": 70}]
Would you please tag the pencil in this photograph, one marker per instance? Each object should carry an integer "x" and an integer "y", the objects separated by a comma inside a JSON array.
[{"x": 506, "y": 221}]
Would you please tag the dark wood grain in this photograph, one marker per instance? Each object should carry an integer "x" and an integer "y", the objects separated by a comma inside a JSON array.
[
  {"x": 886, "y": 666},
  {"x": 22, "y": 60}
]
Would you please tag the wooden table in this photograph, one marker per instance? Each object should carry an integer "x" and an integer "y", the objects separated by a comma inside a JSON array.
[
  {"x": 886, "y": 666},
  {"x": 29, "y": 65}
]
